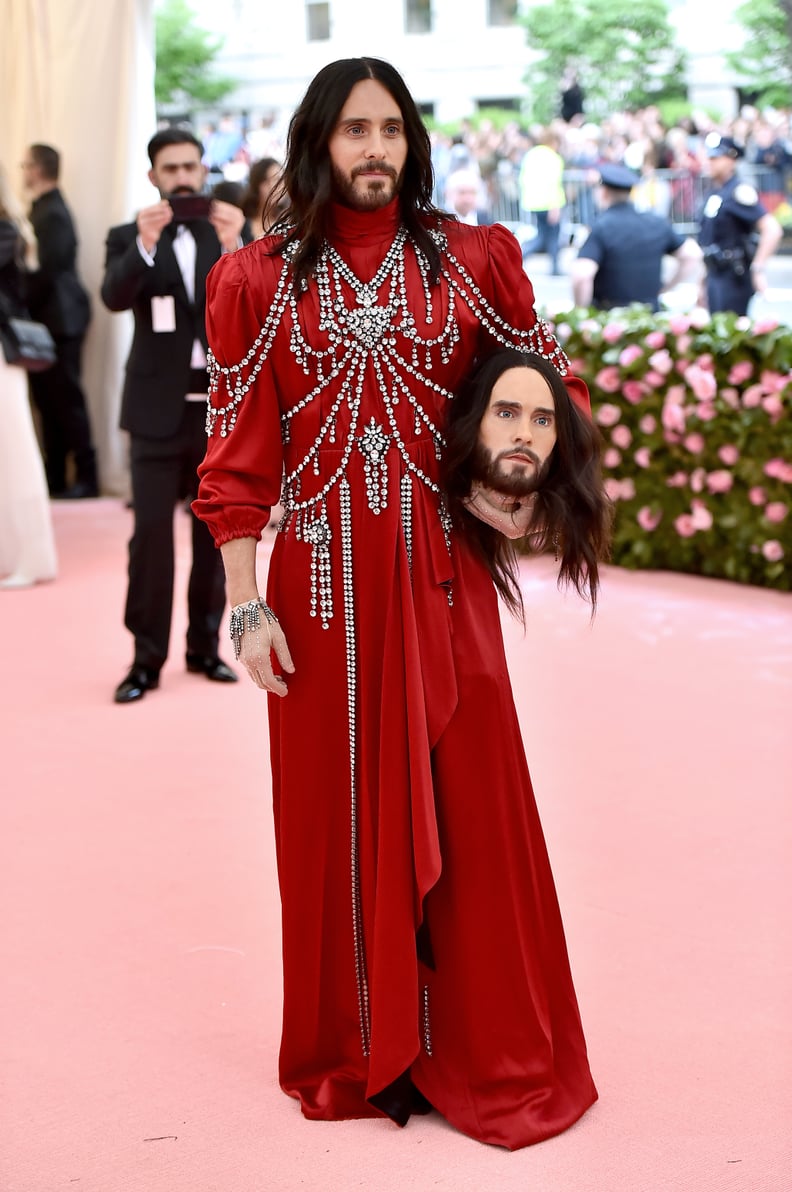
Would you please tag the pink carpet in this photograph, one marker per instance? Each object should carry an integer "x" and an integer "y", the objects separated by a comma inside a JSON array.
[{"x": 139, "y": 1005}]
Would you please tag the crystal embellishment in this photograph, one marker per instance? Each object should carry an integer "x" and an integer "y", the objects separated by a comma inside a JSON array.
[
  {"x": 369, "y": 323},
  {"x": 373, "y": 444}
]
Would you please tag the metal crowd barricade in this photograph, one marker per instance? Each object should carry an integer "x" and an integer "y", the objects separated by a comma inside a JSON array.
[{"x": 678, "y": 195}]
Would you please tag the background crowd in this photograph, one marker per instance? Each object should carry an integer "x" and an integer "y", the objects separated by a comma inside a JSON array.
[
  {"x": 543, "y": 182},
  {"x": 670, "y": 160}
]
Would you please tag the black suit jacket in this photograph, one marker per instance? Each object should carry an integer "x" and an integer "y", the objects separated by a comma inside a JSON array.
[
  {"x": 55, "y": 295},
  {"x": 158, "y": 368}
]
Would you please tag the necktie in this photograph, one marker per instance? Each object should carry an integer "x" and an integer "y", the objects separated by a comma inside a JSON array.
[{"x": 184, "y": 248}]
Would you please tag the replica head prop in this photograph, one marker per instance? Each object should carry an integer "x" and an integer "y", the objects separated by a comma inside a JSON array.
[{"x": 557, "y": 493}]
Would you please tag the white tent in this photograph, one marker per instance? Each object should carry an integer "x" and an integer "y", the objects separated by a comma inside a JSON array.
[{"x": 79, "y": 75}]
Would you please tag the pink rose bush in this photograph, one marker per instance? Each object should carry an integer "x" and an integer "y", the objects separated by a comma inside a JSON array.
[
  {"x": 629, "y": 356},
  {"x": 695, "y": 443},
  {"x": 701, "y": 381},
  {"x": 613, "y": 333},
  {"x": 720, "y": 482},
  {"x": 633, "y": 391},
  {"x": 696, "y": 417},
  {"x": 779, "y": 469},
  {"x": 661, "y": 362},
  {"x": 728, "y": 454},
  {"x": 649, "y": 519},
  {"x": 607, "y": 414},
  {"x": 609, "y": 379},
  {"x": 740, "y": 372},
  {"x": 621, "y": 436}
]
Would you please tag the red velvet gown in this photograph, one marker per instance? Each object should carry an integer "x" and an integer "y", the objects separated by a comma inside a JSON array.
[{"x": 422, "y": 941}]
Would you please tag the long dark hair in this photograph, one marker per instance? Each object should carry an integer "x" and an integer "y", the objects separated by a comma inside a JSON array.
[
  {"x": 308, "y": 177},
  {"x": 252, "y": 205},
  {"x": 572, "y": 513}
]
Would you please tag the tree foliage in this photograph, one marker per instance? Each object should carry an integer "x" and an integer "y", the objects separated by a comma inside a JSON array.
[
  {"x": 764, "y": 64},
  {"x": 624, "y": 53},
  {"x": 185, "y": 54}
]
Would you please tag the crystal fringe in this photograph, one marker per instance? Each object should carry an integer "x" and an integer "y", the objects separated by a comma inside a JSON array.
[
  {"x": 361, "y": 975},
  {"x": 426, "y": 1025}
]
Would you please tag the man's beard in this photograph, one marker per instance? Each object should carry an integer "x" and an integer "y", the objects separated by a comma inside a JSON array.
[
  {"x": 376, "y": 194},
  {"x": 487, "y": 469}
]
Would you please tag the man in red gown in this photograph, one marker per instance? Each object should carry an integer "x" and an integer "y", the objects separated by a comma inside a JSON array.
[{"x": 424, "y": 955}]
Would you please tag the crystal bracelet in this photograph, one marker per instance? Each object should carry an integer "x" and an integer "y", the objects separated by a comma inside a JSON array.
[{"x": 248, "y": 616}]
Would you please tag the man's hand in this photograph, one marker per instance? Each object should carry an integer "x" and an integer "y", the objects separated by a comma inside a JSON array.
[
  {"x": 255, "y": 656},
  {"x": 227, "y": 221},
  {"x": 151, "y": 221}
]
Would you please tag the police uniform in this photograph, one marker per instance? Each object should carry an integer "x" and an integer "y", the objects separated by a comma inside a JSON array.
[
  {"x": 728, "y": 236},
  {"x": 628, "y": 247}
]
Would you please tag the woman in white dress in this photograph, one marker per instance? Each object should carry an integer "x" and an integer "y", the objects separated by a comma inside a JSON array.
[{"x": 27, "y": 543}]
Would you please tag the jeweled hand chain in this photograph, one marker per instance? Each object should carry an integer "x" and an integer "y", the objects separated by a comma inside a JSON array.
[{"x": 247, "y": 617}]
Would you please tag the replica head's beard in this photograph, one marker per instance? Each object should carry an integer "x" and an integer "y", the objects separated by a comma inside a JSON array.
[
  {"x": 375, "y": 194},
  {"x": 488, "y": 470}
]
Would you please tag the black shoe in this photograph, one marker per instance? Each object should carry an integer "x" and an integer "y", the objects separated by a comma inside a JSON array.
[
  {"x": 76, "y": 492},
  {"x": 135, "y": 685},
  {"x": 211, "y": 666}
]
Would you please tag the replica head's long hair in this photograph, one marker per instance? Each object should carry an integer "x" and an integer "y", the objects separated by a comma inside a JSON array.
[
  {"x": 572, "y": 513},
  {"x": 308, "y": 173}
]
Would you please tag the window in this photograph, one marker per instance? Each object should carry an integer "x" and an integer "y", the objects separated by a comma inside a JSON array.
[
  {"x": 503, "y": 103},
  {"x": 501, "y": 12},
  {"x": 418, "y": 16},
  {"x": 317, "y": 20}
]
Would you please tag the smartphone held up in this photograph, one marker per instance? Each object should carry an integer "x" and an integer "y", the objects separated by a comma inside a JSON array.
[{"x": 189, "y": 208}]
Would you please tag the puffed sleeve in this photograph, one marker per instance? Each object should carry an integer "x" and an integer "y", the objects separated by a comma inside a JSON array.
[
  {"x": 513, "y": 298},
  {"x": 240, "y": 477}
]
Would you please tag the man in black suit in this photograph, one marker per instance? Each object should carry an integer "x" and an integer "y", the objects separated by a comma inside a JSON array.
[
  {"x": 56, "y": 298},
  {"x": 157, "y": 268}
]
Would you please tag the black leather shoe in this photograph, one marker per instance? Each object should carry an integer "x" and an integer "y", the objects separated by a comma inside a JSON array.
[
  {"x": 77, "y": 492},
  {"x": 135, "y": 685},
  {"x": 211, "y": 666}
]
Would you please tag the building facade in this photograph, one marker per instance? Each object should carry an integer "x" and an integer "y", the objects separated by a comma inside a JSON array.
[{"x": 457, "y": 56}]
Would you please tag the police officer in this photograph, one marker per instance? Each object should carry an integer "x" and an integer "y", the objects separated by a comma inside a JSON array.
[
  {"x": 622, "y": 259},
  {"x": 737, "y": 233}
]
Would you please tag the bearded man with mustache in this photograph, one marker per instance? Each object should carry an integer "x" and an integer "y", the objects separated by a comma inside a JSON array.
[
  {"x": 525, "y": 462},
  {"x": 156, "y": 267}
]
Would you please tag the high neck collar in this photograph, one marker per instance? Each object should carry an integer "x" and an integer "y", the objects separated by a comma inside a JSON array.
[{"x": 349, "y": 226}]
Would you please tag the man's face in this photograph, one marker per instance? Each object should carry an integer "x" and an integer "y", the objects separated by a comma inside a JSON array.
[
  {"x": 721, "y": 168},
  {"x": 517, "y": 433},
  {"x": 464, "y": 198},
  {"x": 368, "y": 148},
  {"x": 31, "y": 174},
  {"x": 178, "y": 170}
]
